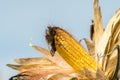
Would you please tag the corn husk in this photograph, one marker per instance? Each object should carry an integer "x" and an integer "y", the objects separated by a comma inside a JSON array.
[{"x": 103, "y": 48}]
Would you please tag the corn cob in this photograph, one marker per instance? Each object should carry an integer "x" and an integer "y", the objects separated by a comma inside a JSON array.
[{"x": 71, "y": 51}]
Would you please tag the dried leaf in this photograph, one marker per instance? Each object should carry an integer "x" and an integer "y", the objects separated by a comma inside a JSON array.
[
  {"x": 55, "y": 68},
  {"x": 32, "y": 71},
  {"x": 23, "y": 68},
  {"x": 107, "y": 35},
  {"x": 100, "y": 75},
  {"x": 61, "y": 77},
  {"x": 113, "y": 65},
  {"x": 115, "y": 34},
  {"x": 26, "y": 61},
  {"x": 56, "y": 59},
  {"x": 98, "y": 25},
  {"x": 40, "y": 67},
  {"x": 29, "y": 75},
  {"x": 32, "y": 75},
  {"x": 90, "y": 74},
  {"x": 90, "y": 47}
]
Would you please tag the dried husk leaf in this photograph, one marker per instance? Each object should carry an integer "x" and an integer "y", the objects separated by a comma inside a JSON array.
[
  {"x": 32, "y": 67},
  {"x": 115, "y": 34},
  {"x": 26, "y": 61},
  {"x": 57, "y": 59},
  {"x": 107, "y": 37},
  {"x": 40, "y": 67},
  {"x": 98, "y": 25},
  {"x": 55, "y": 68},
  {"x": 100, "y": 75},
  {"x": 31, "y": 72},
  {"x": 32, "y": 75},
  {"x": 90, "y": 47},
  {"x": 62, "y": 77},
  {"x": 92, "y": 75},
  {"x": 47, "y": 66},
  {"x": 28, "y": 75},
  {"x": 112, "y": 64},
  {"x": 118, "y": 42},
  {"x": 89, "y": 74}
]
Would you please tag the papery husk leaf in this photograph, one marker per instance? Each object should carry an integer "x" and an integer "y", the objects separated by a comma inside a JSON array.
[
  {"x": 89, "y": 74},
  {"x": 38, "y": 71},
  {"x": 98, "y": 25},
  {"x": 107, "y": 37},
  {"x": 57, "y": 59},
  {"x": 31, "y": 75},
  {"x": 90, "y": 47},
  {"x": 34, "y": 75},
  {"x": 23, "y": 68},
  {"x": 92, "y": 75},
  {"x": 40, "y": 67},
  {"x": 55, "y": 68},
  {"x": 118, "y": 66},
  {"x": 26, "y": 61},
  {"x": 62, "y": 77},
  {"x": 100, "y": 75},
  {"x": 115, "y": 33},
  {"x": 113, "y": 65},
  {"x": 31, "y": 72}
]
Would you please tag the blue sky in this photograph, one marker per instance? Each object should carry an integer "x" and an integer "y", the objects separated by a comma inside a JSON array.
[{"x": 22, "y": 19}]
